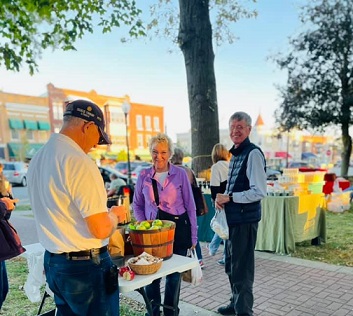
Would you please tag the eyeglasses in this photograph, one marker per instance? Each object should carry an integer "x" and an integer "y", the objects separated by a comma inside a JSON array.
[
  {"x": 162, "y": 153},
  {"x": 238, "y": 128}
]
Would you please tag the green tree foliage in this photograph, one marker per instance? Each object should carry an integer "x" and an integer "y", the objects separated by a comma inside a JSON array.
[
  {"x": 193, "y": 27},
  {"x": 28, "y": 27},
  {"x": 319, "y": 89}
]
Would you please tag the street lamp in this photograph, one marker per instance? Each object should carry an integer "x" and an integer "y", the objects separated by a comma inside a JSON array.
[{"x": 126, "y": 106}]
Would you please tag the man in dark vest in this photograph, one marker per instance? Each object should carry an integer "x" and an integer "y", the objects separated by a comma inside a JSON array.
[{"x": 242, "y": 203}]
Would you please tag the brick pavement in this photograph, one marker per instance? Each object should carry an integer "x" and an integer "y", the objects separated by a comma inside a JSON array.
[{"x": 283, "y": 286}]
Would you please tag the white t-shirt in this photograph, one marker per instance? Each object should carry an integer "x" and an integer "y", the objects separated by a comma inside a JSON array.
[
  {"x": 65, "y": 186},
  {"x": 219, "y": 172}
]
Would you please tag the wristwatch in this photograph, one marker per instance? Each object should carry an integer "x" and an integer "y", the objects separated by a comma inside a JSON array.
[{"x": 231, "y": 197}]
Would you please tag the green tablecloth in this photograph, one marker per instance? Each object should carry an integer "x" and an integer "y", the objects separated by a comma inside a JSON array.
[
  {"x": 205, "y": 233},
  {"x": 287, "y": 220}
]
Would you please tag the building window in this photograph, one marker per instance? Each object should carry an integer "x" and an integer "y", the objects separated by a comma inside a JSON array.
[
  {"x": 156, "y": 123},
  {"x": 139, "y": 125},
  {"x": 139, "y": 140},
  {"x": 57, "y": 110},
  {"x": 148, "y": 126},
  {"x": 42, "y": 136},
  {"x": 116, "y": 117},
  {"x": 29, "y": 134},
  {"x": 15, "y": 135},
  {"x": 148, "y": 137},
  {"x": 119, "y": 141}
]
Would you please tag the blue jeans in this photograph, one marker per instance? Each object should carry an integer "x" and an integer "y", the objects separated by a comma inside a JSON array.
[
  {"x": 79, "y": 286},
  {"x": 214, "y": 245},
  {"x": 171, "y": 292},
  {"x": 4, "y": 283}
]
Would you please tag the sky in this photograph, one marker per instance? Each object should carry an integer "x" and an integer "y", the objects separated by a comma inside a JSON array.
[{"x": 147, "y": 72}]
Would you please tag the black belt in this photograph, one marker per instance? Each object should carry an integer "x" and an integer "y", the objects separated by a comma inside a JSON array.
[{"x": 82, "y": 255}]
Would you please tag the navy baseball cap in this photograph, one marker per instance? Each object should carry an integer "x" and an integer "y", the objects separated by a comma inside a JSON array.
[{"x": 90, "y": 112}]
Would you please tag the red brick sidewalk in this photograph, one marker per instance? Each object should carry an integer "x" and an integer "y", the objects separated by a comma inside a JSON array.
[{"x": 283, "y": 286}]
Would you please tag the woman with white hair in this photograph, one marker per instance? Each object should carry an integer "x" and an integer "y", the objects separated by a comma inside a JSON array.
[{"x": 163, "y": 191}]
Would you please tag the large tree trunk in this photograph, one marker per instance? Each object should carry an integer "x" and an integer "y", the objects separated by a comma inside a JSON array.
[
  {"x": 346, "y": 152},
  {"x": 346, "y": 138},
  {"x": 195, "y": 41}
]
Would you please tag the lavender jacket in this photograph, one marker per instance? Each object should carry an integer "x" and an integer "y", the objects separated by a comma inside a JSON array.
[{"x": 175, "y": 197}]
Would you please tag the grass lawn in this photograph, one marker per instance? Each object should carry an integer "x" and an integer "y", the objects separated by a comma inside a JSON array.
[
  {"x": 338, "y": 249},
  {"x": 17, "y": 303}
]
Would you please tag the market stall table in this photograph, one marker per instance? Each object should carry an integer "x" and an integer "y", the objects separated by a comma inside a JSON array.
[
  {"x": 175, "y": 264},
  {"x": 290, "y": 219}
]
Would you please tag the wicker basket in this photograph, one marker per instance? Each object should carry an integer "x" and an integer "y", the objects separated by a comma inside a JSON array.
[{"x": 145, "y": 268}]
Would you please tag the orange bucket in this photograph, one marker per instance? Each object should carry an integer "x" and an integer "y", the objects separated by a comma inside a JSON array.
[{"x": 156, "y": 242}]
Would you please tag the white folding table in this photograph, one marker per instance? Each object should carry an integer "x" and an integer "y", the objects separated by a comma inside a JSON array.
[{"x": 176, "y": 263}]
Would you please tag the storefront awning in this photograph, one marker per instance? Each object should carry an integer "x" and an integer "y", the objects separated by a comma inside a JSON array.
[
  {"x": 31, "y": 125},
  {"x": 21, "y": 151},
  {"x": 282, "y": 154},
  {"x": 15, "y": 150},
  {"x": 44, "y": 126},
  {"x": 16, "y": 124}
]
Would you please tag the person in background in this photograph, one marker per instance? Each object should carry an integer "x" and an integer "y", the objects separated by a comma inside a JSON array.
[
  {"x": 7, "y": 251},
  {"x": 5, "y": 187},
  {"x": 69, "y": 204},
  {"x": 177, "y": 160},
  {"x": 218, "y": 182},
  {"x": 175, "y": 201},
  {"x": 115, "y": 184},
  {"x": 241, "y": 201}
]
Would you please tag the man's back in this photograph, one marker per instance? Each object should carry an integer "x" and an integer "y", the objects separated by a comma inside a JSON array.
[{"x": 62, "y": 181}]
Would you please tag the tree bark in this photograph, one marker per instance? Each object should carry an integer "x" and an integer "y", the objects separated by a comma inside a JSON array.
[
  {"x": 346, "y": 138},
  {"x": 195, "y": 41}
]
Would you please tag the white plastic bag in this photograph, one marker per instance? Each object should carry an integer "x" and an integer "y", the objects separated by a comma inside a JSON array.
[
  {"x": 194, "y": 275},
  {"x": 36, "y": 277},
  {"x": 219, "y": 224}
]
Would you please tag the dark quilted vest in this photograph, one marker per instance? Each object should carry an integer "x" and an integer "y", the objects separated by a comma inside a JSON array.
[{"x": 239, "y": 213}]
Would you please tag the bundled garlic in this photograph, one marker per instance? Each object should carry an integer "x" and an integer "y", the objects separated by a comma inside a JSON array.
[{"x": 144, "y": 259}]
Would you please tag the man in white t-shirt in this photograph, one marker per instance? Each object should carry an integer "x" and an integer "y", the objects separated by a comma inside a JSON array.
[{"x": 68, "y": 200}]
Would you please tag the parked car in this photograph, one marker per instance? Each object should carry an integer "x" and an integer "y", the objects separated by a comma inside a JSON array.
[
  {"x": 122, "y": 165},
  {"x": 106, "y": 171},
  {"x": 336, "y": 169},
  {"x": 16, "y": 172},
  {"x": 135, "y": 173}
]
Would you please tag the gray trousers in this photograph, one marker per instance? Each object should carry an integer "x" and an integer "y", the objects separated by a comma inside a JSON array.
[{"x": 240, "y": 266}]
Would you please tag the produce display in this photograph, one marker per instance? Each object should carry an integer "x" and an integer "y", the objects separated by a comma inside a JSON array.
[
  {"x": 149, "y": 225},
  {"x": 126, "y": 273},
  {"x": 144, "y": 264},
  {"x": 294, "y": 182},
  {"x": 155, "y": 237},
  {"x": 144, "y": 258}
]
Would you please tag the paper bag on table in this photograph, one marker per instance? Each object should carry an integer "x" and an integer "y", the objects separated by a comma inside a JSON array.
[{"x": 116, "y": 245}]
